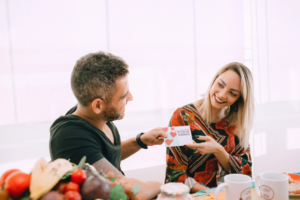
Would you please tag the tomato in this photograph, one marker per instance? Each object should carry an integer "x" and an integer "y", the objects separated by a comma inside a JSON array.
[
  {"x": 72, "y": 195},
  {"x": 16, "y": 183},
  {"x": 60, "y": 186},
  {"x": 71, "y": 187},
  {"x": 79, "y": 176},
  {"x": 5, "y": 175}
]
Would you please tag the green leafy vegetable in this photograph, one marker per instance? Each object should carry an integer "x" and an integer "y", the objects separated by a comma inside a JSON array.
[
  {"x": 112, "y": 179},
  {"x": 81, "y": 163},
  {"x": 117, "y": 193}
]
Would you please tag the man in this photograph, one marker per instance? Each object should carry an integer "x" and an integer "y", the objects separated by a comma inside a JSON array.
[{"x": 99, "y": 82}]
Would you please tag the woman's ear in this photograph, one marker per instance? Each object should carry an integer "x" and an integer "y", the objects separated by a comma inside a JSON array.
[{"x": 97, "y": 105}]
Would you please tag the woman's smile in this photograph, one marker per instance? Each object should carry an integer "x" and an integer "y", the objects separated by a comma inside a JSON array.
[{"x": 219, "y": 100}]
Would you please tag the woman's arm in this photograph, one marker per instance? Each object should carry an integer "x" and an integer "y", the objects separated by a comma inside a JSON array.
[
  {"x": 223, "y": 158},
  {"x": 240, "y": 161},
  {"x": 197, "y": 187}
]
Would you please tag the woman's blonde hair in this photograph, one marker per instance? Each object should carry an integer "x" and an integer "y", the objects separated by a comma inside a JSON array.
[{"x": 242, "y": 111}]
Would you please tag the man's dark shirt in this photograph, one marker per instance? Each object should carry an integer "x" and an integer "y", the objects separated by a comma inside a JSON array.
[{"x": 73, "y": 137}]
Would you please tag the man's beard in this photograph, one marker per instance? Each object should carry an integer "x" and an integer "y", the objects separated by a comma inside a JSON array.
[{"x": 112, "y": 115}]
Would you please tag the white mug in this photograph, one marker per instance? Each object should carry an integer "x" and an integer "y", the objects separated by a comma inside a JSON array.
[
  {"x": 237, "y": 186},
  {"x": 273, "y": 186}
]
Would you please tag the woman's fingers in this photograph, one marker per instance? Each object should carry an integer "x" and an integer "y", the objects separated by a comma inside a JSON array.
[
  {"x": 193, "y": 146},
  {"x": 205, "y": 138}
]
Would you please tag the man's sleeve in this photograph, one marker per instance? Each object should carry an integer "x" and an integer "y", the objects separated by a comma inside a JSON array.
[{"x": 73, "y": 143}]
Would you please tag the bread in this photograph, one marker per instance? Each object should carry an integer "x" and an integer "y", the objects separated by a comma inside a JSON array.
[
  {"x": 294, "y": 188},
  {"x": 290, "y": 179}
]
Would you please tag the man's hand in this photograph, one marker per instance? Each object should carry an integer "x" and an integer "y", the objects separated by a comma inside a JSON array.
[
  {"x": 154, "y": 137},
  {"x": 148, "y": 189}
]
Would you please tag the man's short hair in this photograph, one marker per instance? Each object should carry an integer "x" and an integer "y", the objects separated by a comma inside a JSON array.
[{"x": 94, "y": 76}]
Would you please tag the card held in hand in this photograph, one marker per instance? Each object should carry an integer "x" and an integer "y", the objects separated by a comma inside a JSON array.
[{"x": 178, "y": 136}]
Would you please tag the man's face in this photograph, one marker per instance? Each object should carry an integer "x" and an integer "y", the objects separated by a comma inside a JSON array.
[{"x": 115, "y": 109}]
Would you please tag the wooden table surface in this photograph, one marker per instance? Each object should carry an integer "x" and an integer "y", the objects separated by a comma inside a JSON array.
[{"x": 222, "y": 197}]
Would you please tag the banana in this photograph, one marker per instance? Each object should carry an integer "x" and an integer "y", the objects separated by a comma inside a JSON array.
[{"x": 45, "y": 176}]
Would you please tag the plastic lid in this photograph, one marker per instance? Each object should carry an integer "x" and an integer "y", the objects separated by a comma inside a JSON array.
[{"x": 174, "y": 189}]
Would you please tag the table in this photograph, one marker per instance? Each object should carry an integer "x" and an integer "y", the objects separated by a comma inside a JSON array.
[{"x": 254, "y": 197}]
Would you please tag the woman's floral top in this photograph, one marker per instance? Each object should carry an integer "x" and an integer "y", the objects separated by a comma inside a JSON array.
[{"x": 183, "y": 162}]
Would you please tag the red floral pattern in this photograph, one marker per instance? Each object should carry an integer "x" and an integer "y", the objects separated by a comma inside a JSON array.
[
  {"x": 247, "y": 169},
  {"x": 182, "y": 178},
  {"x": 224, "y": 125},
  {"x": 210, "y": 168},
  {"x": 229, "y": 147},
  {"x": 202, "y": 177},
  {"x": 171, "y": 160},
  {"x": 193, "y": 126}
]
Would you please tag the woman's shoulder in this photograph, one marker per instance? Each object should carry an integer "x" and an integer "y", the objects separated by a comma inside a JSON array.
[
  {"x": 186, "y": 111},
  {"x": 188, "y": 108}
]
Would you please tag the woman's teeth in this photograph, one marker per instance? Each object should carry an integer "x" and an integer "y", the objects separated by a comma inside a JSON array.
[{"x": 218, "y": 100}]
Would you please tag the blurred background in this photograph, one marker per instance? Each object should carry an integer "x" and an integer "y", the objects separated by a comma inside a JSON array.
[{"x": 173, "y": 48}]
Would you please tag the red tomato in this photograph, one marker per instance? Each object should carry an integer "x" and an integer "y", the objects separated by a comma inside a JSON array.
[
  {"x": 5, "y": 175},
  {"x": 72, "y": 195},
  {"x": 60, "y": 187},
  {"x": 79, "y": 176},
  {"x": 16, "y": 183},
  {"x": 71, "y": 187}
]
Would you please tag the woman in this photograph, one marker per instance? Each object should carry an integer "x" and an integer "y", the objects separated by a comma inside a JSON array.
[{"x": 220, "y": 124}]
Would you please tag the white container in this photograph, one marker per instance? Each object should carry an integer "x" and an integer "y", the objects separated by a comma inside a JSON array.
[
  {"x": 237, "y": 186},
  {"x": 272, "y": 186},
  {"x": 174, "y": 191}
]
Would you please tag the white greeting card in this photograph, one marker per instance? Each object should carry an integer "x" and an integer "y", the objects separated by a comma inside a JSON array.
[{"x": 178, "y": 136}]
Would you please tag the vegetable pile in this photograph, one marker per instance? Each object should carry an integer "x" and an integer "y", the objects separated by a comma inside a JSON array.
[{"x": 63, "y": 180}]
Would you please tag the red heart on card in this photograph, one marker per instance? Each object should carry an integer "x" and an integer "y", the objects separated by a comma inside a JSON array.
[
  {"x": 168, "y": 142},
  {"x": 172, "y": 128},
  {"x": 165, "y": 129},
  {"x": 173, "y": 134}
]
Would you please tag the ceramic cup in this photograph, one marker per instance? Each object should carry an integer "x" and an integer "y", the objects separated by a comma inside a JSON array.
[
  {"x": 237, "y": 186},
  {"x": 272, "y": 186}
]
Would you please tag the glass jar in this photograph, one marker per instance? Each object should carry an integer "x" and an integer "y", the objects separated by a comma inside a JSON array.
[{"x": 172, "y": 191}]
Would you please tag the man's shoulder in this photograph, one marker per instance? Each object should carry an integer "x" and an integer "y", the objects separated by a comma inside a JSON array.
[{"x": 70, "y": 124}]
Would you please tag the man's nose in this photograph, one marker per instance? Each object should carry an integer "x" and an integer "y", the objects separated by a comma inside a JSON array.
[{"x": 129, "y": 97}]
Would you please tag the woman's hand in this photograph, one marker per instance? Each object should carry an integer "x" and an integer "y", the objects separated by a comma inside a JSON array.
[
  {"x": 212, "y": 146},
  {"x": 209, "y": 146}
]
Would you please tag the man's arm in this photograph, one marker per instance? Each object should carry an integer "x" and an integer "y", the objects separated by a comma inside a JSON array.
[
  {"x": 154, "y": 137},
  {"x": 148, "y": 189},
  {"x": 129, "y": 147},
  {"x": 105, "y": 166}
]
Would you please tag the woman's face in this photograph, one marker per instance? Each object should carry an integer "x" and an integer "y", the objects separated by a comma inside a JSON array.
[{"x": 225, "y": 90}]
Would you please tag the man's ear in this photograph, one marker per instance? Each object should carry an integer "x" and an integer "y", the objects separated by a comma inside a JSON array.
[{"x": 97, "y": 105}]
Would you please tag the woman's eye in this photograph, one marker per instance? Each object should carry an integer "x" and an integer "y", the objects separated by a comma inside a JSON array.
[
  {"x": 220, "y": 85},
  {"x": 233, "y": 94}
]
